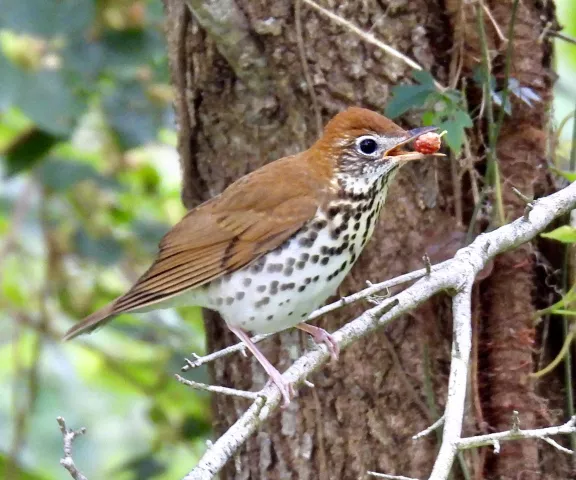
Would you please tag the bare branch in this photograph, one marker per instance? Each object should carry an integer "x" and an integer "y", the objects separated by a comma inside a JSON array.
[
  {"x": 67, "y": 461},
  {"x": 456, "y": 274},
  {"x": 556, "y": 445},
  {"x": 216, "y": 389},
  {"x": 562, "y": 36},
  {"x": 455, "y": 404},
  {"x": 517, "y": 434},
  {"x": 220, "y": 353},
  {"x": 390, "y": 477},
  {"x": 437, "y": 424}
]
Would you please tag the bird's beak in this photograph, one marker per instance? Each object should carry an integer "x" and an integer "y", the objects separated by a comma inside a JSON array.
[{"x": 403, "y": 155}]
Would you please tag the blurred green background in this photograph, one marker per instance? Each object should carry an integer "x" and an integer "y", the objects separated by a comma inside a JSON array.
[{"x": 89, "y": 182}]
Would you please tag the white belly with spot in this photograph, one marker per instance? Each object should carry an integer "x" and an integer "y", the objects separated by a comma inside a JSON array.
[{"x": 283, "y": 287}]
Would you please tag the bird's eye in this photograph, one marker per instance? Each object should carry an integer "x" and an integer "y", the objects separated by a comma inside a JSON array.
[{"x": 367, "y": 145}]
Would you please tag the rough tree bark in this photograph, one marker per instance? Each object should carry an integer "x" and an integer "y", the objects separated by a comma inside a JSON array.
[{"x": 243, "y": 99}]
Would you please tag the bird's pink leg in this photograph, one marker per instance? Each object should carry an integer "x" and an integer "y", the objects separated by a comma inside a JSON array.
[
  {"x": 322, "y": 336},
  {"x": 286, "y": 388}
]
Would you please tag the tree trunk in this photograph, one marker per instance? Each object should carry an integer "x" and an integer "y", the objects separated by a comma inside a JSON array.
[{"x": 244, "y": 98}]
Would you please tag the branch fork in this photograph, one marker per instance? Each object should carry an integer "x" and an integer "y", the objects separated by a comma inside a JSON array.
[
  {"x": 455, "y": 275},
  {"x": 68, "y": 436}
]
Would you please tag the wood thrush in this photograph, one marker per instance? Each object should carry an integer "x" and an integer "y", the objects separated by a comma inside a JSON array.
[{"x": 278, "y": 242}]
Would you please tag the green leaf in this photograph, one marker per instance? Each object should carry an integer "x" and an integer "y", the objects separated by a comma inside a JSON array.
[
  {"x": 564, "y": 234},
  {"x": 104, "y": 250},
  {"x": 85, "y": 62},
  {"x": 47, "y": 18},
  {"x": 128, "y": 49},
  {"x": 452, "y": 97},
  {"x": 18, "y": 471},
  {"x": 144, "y": 467},
  {"x": 425, "y": 78},
  {"x": 569, "y": 313},
  {"x": 455, "y": 125},
  {"x": 44, "y": 96},
  {"x": 60, "y": 175},
  {"x": 27, "y": 150},
  {"x": 133, "y": 117},
  {"x": 429, "y": 118},
  {"x": 570, "y": 176},
  {"x": 11, "y": 81},
  {"x": 462, "y": 118},
  {"x": 194, "y": 427},
  {"x": 13, "y": 125},
  {"x": 405, "y": 97},
  {"x": 479, "y": 76},
  {"x": 454, "y": 135}
]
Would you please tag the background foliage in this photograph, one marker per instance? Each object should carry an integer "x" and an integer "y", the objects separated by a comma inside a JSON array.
[{"x": 89, "y": 183}]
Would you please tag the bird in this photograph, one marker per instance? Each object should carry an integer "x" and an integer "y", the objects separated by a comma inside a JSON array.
[{"x": 275, "y": 244}]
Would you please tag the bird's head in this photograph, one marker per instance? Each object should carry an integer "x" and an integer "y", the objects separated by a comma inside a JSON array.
[{"x": 364, "y": 145}]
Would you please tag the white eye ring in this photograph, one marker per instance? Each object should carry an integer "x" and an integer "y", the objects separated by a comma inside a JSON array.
[{"x": 368, "y": 146}]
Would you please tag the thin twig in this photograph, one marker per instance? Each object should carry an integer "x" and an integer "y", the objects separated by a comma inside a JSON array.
[
  {"x": 390, "y": 477},
  {"x": 493, "y": 169},
  {"x": 438, "y": 423},
  {"x": 402, "y": 375},
  {"x": 374, "y": 288},
  {"x": 507, "y": 69},
  {"x": 68, "y": 437},
  {"x": 368, "y": 37},
  {"x": 562, "y": 36},
  {"x": 521, "y": 196},
  {"x": 556, "y": 445},
  {"x": 494, "y": 23},
  {"x": 526, "y": 200},
  {"x": 306, "y": 67},
  {"x": 217, "y": 389},
  {"x": 427, "y": 263},
  {"x": 482, "y": 440},
  {"x": 515, "y": 421},
  {"x": 220, "y": 353},
  {"x": 457, "y": 188}
]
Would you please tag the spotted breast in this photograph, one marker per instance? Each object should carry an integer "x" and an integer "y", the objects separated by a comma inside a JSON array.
[{"x": 282, "y": 287}]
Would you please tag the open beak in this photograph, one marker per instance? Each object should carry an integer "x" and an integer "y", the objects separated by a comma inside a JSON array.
[{"x": 407, "y": 155}]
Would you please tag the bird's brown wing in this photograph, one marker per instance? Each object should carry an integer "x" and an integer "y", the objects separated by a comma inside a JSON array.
[
  {"x": 210, "y": 242},
  {"x": 252, "y": 217}
]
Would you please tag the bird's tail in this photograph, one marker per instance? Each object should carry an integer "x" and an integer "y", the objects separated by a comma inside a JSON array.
[{"x": 92, "y": 322}]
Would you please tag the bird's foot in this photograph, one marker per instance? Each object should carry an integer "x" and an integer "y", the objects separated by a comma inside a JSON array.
[
  {"x": 324, "y": 337},
  {"x": 319, "y": 335},
  {"x": 286, "y": 388}
]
